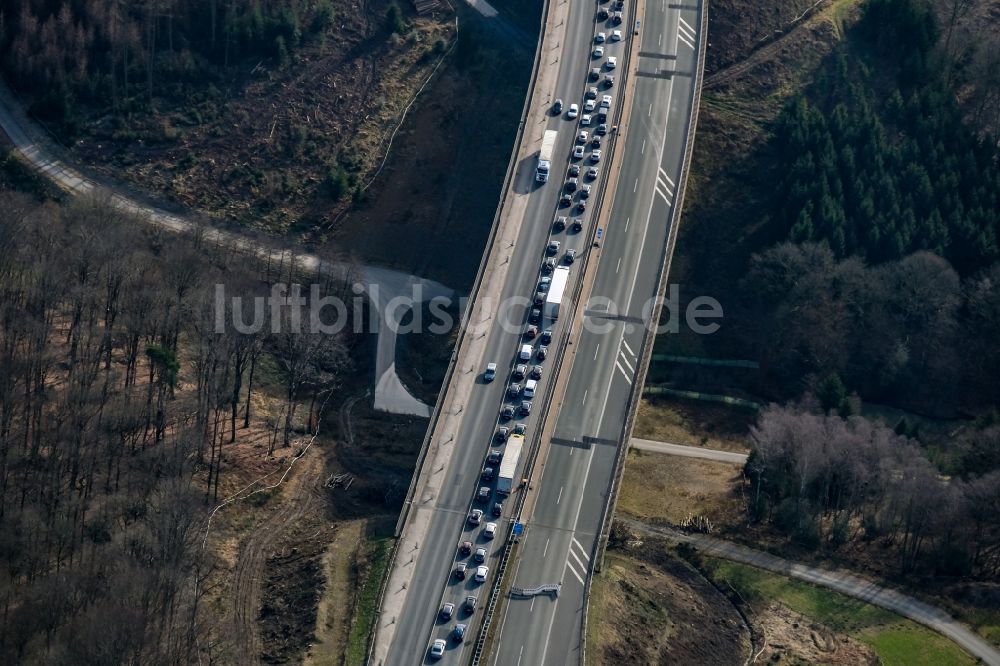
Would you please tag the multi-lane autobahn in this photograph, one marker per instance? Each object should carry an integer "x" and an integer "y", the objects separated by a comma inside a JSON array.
[
  {"x": 561, "y": 534},
  {"x": 632, "y": 253}
]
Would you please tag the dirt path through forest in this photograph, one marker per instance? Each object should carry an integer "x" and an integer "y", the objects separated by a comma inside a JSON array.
[{"x": 302, "y": 499}]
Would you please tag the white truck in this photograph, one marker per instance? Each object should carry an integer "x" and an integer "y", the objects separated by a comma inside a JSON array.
[
  {"x": 545, "y": 156},
  {"x": 508, "y": 466},
  {"x": 554, "y": 297}
]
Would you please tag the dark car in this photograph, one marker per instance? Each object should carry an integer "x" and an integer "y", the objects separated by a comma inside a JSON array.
[
  {"x": 557, "y": 107},
  {"x": 459, "y": 571},
  {"x": 519, "y": 371},
  {"x": 507, "y": 413},
  {"x": 571, "y": 184},
  {"x": 570, "y": 256},
  {"x": 585, "y": 192},
  {"x": 470, "y": 605},
  {"x": 539, "y": 298},
  {"x": 502, "y": 434},
  {"x": 617, "y": 18},
  {"x": 465, "y": 548},
  {"x": 446, "y": 612},
  {"x": 520, "y": 429},
  {"x": 535, "y": 315},
  {"x": 609, "y": 81},
  {"x": 582, "y": 205},
  {"x": 525, "y": 411},
  {"x": 497, "y": 510},
  {"x": 531, "y": 331},
  {"x": 560, "y": 223},
  {"x": 619, "y": 4},
  {"x": 546, "y": 339},
  {"x": 494, "y": 457},
  {"x": 602, "y": 14},
  {"x": 514, "y": 390},
  {"x": 596, "y": 142},
  {"x": 565, "y": 201},
  {"x": 484, "y": 494},
  {"x": 574, "y": 170},
  {"x": 542, "y": 353},
  {"x": 458, "y": 634},
  {"x": 577, "y": 224},
  {"x": 487, "y": 474},
  {"x": 595, "y": 74},
  {"x": 548, "y": 265},
  {"x": 536, "y": 372}
]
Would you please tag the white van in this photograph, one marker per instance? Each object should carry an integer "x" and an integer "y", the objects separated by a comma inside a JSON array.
[
  {"x": 529, "y": 388},
  {"x": 525, "y": 354}
]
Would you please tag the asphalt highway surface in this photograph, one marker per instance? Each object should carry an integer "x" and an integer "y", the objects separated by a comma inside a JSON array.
[
  {"x": 560, "y": 537},
  {"x": 561, "y": 534}
]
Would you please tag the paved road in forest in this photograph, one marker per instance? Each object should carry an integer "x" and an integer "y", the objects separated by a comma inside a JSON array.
[{"x": 839, "y": 581}]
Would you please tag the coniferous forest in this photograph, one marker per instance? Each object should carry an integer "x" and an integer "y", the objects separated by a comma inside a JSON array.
[{"x": 876, "y": 160}]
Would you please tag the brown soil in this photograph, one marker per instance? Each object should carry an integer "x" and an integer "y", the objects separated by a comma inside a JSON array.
[
  {"x": 269, "y": 561},
  {"x": 791, "y": 639},
  {"x": 430, "y": 210},
  {"x": 340, "y": 586},
  {"x": 737, "y": 27},
  {"x": 650, "y": 607},
  {"x": 257, "y": 148}
]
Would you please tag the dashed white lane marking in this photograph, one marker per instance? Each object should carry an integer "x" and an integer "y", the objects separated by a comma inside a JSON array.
[
  {"x": 560, "y": 495},
  {"x": 619, "y": 266},
  {"x": 597, "y": 350}
]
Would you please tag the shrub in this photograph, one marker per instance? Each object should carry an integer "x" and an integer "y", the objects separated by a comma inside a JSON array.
[
  {"x": 337, "y": 183},
  {"x": 394, "y": 19}
]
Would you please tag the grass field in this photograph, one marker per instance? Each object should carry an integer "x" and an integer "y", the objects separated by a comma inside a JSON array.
[
  {"x": 661, "y": 487},
  {"x": 896, "y": 640},
  {"x": 681, "y": 422}
]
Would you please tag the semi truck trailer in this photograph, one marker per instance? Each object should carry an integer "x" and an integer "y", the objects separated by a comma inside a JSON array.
[
  {"x": 508, "y": 466},
  {"x": 554, "y": 297},
  {"x": 545, "y": 156}
]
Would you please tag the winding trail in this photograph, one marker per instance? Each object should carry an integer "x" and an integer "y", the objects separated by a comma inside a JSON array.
[
  {"x": 843, "y": 582},
  {"x": 383, "y": 286},
  {"x": 301, "y": 501}
]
